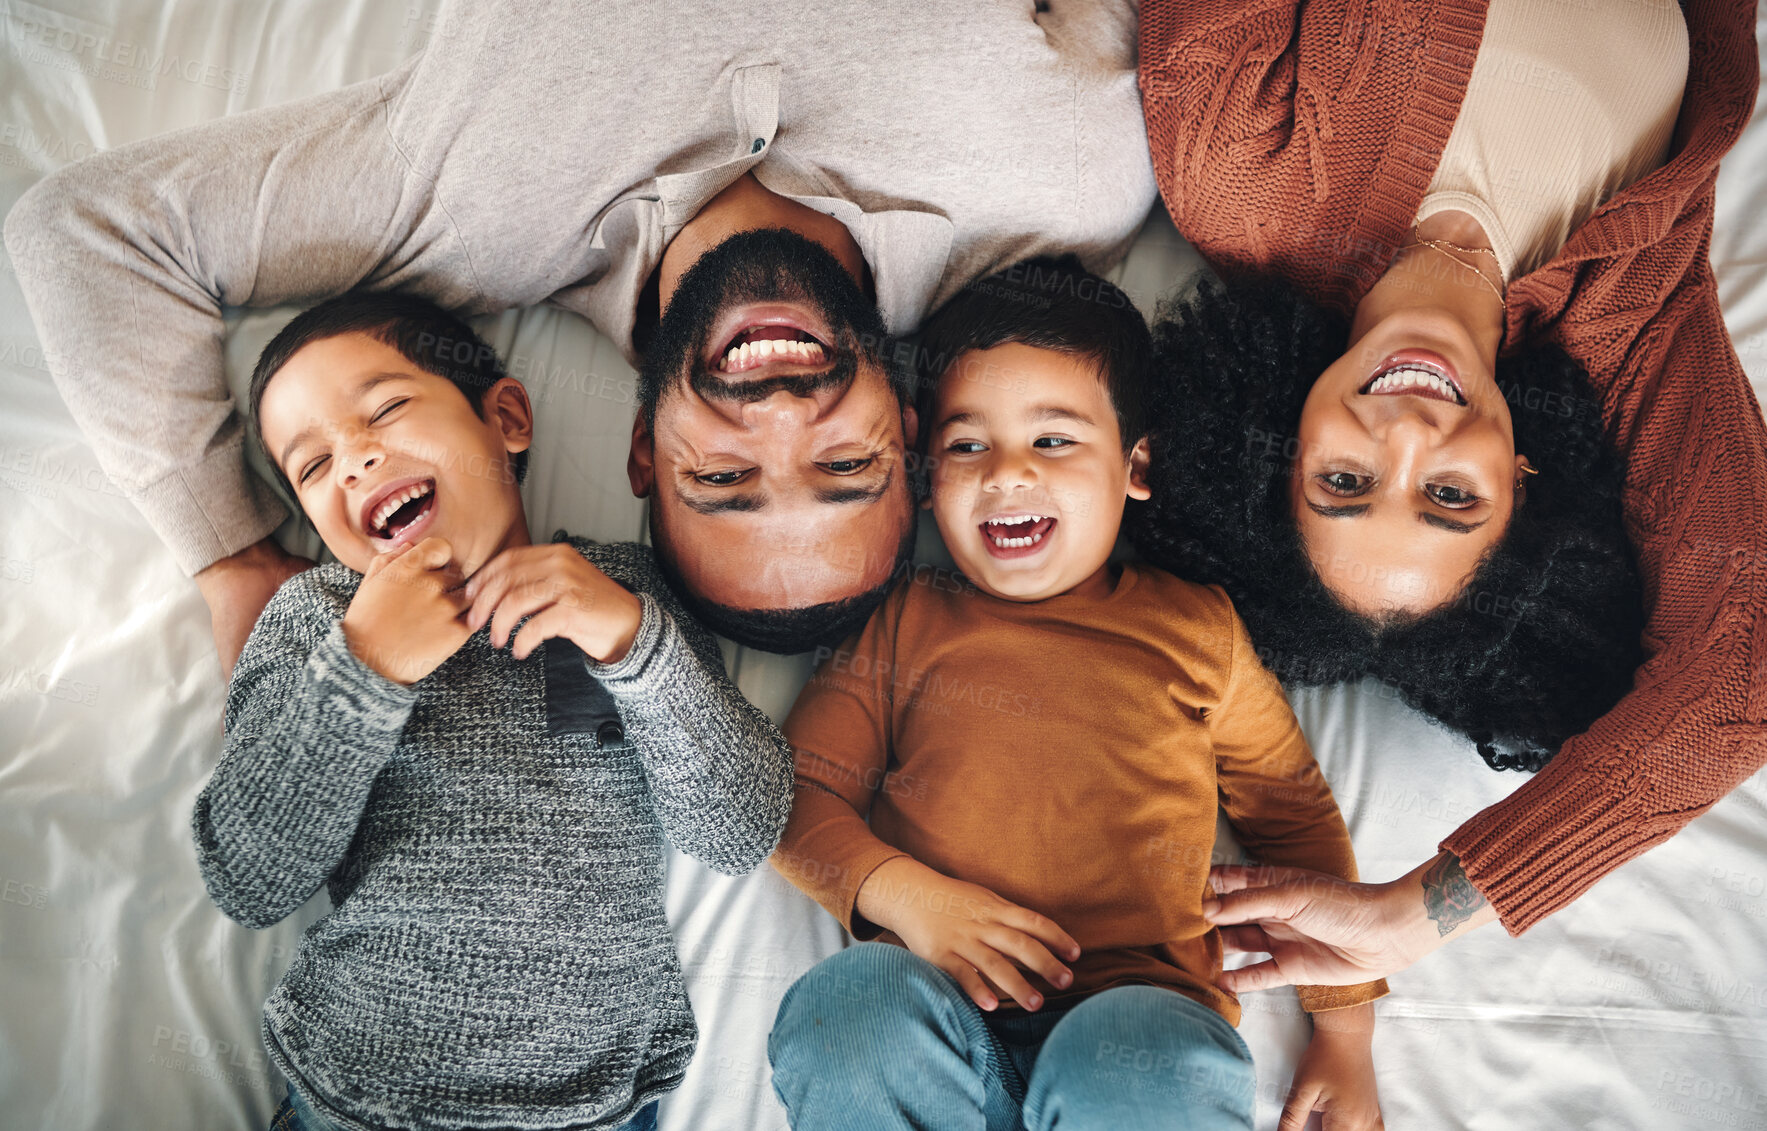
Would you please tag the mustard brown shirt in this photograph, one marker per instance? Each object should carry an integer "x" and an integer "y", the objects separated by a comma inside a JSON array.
[{"x": 1070, "y": 755}]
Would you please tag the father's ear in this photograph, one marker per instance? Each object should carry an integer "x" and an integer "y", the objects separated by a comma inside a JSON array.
[
  {"x": 641, "y": 459},
  {"x": 1140, "y": 456},
  {"x": 910, "y": 427}
]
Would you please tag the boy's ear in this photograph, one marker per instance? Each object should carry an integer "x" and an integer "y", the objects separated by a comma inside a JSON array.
[
  {"x": 507, "y": 404},
  {"x": 1139, "y": 457},
  {"x": 641, "y": 458}
]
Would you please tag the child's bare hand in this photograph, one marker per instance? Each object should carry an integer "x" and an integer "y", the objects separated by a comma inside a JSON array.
[
  {"x": 562, "y": 593},
  {"x": 1336, "y": 1075},
  {"x": 405, "y": 618},
  {"x": 969, "y": 932}
]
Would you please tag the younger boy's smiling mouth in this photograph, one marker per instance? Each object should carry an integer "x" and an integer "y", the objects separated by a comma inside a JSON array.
[
  {"x": 399, "y": 512},
  {"x": 1017, "y": 535}
]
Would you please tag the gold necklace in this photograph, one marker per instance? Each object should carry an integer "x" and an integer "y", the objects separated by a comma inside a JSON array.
[{"x": 1442, "y": 246}]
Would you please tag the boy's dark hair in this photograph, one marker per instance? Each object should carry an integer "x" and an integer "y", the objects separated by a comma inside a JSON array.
[
  {"x": 1540, "y": 643},
  {"x": 1050, "y": 303},
  {"x": 426, "y": 335}
]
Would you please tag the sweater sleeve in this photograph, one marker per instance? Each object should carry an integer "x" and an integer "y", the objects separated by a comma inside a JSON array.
[
  {"x": 840, "y": 730},
  {"x": 719, "y": 770},
  {"x": 1694, "y": 725},
  {"x": 309, "y": 727},
  {"x": 1273, "y": 792},
  {"x": 127, "y": 258}
]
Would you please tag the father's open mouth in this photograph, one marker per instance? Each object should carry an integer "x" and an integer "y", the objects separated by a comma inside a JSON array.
[{"x": 759, "y": 339}]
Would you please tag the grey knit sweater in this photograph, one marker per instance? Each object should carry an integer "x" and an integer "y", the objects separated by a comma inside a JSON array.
[{"x": 492, "y": 841}]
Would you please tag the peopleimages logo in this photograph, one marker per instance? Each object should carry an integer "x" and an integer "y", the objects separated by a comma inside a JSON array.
[{"x": 45, "y": 43}]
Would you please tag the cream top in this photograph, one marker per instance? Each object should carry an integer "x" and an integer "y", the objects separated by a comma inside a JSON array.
[{"x": 1569, "y": 102}]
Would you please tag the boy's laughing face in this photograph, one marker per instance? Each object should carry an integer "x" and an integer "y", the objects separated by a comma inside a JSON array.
[
  {"x": 382, "y": 454},
  {"x": 1028, "y": 472}
]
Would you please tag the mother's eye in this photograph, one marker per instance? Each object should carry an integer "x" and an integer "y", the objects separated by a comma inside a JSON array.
[
  {"x": 1449, "y": 495},
  {"x": 1343, "y": 482}
]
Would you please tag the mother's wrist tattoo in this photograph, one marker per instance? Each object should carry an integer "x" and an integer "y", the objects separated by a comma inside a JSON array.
[{"x": 1448, "y": 895}]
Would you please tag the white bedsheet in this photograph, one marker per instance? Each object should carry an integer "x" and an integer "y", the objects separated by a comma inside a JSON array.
[{"x": 127, "y": 1000}]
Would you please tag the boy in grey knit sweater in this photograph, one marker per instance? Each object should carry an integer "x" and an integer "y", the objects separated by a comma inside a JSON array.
[{"x": 484, "y": 799}]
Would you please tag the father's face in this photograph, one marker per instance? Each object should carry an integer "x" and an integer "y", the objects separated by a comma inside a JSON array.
[{"x": 771, "y": 438}]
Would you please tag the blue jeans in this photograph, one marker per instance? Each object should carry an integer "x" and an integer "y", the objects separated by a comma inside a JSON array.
[
  {"x": 876, "y": 1038},
  {"x": 296, "y": 1115}
]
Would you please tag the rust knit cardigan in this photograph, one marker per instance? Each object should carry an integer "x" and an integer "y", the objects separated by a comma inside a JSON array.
[{"x": 1298, "y": 140}]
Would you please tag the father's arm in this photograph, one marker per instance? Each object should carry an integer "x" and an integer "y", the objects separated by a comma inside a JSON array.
[{"x": 127, "y": 258}]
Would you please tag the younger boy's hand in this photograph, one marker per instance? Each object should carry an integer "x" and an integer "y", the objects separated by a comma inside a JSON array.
[
  {"x": 1336, "y": 1075},
  {"x": 564, "y": 596},
  {"x": 967, "y": 931},
  {"x": 406, "y": 617}
]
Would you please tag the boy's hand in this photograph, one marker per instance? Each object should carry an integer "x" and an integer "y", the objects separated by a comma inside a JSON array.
[
  {"x": 967, "y": 931},
  {"x": 1336, "y": 1075},
  {"x": 564, "y": 595},
  {"x": 406, "y": 617}
]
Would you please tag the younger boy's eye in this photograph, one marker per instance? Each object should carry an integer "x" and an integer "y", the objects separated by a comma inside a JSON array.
[
  {"x": 1052, "y": 442},
  {"x": 386, "y": 408},
  {"x": 966, "y": 447}
]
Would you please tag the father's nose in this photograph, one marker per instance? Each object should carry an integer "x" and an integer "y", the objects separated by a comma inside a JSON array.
[{"x": 782, "y": 409}]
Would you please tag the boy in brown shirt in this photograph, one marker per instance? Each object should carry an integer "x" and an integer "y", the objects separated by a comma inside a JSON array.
[{"x": 1041, "y": 753}]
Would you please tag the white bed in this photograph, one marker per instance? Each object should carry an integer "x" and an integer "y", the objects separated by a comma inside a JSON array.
[{"x": 127, "y": 1000}]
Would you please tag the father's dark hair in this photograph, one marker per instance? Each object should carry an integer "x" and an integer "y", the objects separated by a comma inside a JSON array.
[
  {"x": 785, "y": 631},
  {"x": 1053, "y": 303},
  {"x": 1541, "y": 641},
  {"x": 424, "y": 334}
]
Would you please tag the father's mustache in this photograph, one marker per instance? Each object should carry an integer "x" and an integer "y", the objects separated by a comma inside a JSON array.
[{"x": 713, "y": 386}]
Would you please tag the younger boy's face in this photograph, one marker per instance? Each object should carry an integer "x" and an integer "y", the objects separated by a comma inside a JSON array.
[
  {"x": 1028, "y": 471},
  {"x": 383, "y": 454}
]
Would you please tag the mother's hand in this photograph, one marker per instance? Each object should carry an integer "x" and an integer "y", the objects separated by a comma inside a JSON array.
[{"x": 1323, "y": 931}]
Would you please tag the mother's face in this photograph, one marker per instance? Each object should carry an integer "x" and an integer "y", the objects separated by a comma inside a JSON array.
[{"x": 1406, "y": 473}]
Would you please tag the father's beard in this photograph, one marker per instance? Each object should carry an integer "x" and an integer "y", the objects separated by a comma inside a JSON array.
[{"x": 766, "y": 265}]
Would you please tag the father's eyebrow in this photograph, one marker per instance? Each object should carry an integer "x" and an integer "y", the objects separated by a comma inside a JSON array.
[
  {"x": 1424, "y": 517},
  {"x": 362, "y": 389},
  {"x": 856, "y": 494},
  {"x": 722, "y": 504}
]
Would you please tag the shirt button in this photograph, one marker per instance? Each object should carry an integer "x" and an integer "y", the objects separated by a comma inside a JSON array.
[
  {"x": 609, "y": 734},
  {"x": 760, "y": 144}
]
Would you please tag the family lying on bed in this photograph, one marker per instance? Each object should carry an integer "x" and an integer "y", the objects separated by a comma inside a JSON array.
[
  {"x": 1464, "y": 417},
  {"x": 416, "y": 727}
]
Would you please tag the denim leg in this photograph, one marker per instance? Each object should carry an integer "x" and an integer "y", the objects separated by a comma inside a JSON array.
[
  {"x": 296, "y": 1115},
  {"x": 1136, "y": 1057},
  {"x": 875, "y": 1039}
]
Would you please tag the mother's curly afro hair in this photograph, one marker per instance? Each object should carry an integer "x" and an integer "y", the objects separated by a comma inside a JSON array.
[{"x": 1542, "y": 640}]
